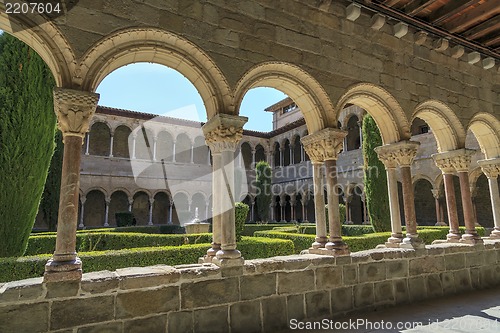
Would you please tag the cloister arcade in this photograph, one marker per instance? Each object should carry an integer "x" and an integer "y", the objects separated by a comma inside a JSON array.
[{"x": 318, "y": 77}]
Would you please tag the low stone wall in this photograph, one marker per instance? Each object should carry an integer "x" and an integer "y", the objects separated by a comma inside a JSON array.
[{"x": 262, "y": 296}]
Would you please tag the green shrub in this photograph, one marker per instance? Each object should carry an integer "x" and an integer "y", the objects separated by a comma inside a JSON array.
[
  {"x": 33, "y": 266},
  {"x": 251, "y": 228},
  {"x": 101, "y": 241},
  {"x": 341, "y": 211},
  {"x": 357, "y": 230},
  {"x": 241, "y": 212},
  {"x": 124, "y": 219}
]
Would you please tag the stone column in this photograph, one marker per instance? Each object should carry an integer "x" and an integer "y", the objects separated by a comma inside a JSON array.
[
  {"x": 473, "y": 195},
  {"x": 173, "y": 152},
  {"x": 282, "y": 157},
  {"x": 461, "y": 160},
  {"x": 292, "y": 209},
  {"x": 437, "y": 194},
  {"x": 106, "y": 212},
  {"x": 405, "y": 152},
  {"x": 303, "y": 204},
  {"x": 74, "y": 109},
  {"x": 283, "y": 212},
  {"x": 360, "y": 126},
  {"x": 302, "y": 154},
  {"x": 271, "y": 208},
  {"x": 87, "y": 143},
  {"x": 491, "y": 168},
  {"x": 291, "y": 154},
  {"x": 170, "y": 209},
  {"x": 111, "y": 146},
  {"x": 347, "y": 201},
  {"x": 130, "y": 203},
  {"x": 388, "y": 159},
  {"x": 443, "y": 162},
  {"x": 253, "y": 157},
  {"x": 82, "y": 211},
  {"x": 192, "y": 154},
  {"x": 134, "y": 139},
  {"x": 222, "y": 134},
  {"x": 150, "y": 216}
]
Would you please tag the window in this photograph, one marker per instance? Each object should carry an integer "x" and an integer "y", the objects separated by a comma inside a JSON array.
[{"x": 289, "y": 108}]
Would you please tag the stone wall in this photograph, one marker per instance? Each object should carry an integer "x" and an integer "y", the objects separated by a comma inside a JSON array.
[{"x": 261, "y": 296}]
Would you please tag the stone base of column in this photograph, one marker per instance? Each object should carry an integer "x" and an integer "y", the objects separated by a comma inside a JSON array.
[
  {"x": 319, "y": 242},
  {"x": 228, "y": 262},
  {"x": 366, "y": 223},
  {"x": 453, "y": 237},
  {"x": 394, "y": 240},
  {"x": 211, "y": 253},
  {"x": 412, "y": 242},
  {"x": 495, "y": 233},
  {"x": 338, "y": 247},
  {"x": 327, "y": 252},
  {"x": 348, "y": 222},
  {"x": 471, "y": 238},
  {"x": 62, "y": 270},
  {"x": 440, "y": 224}
]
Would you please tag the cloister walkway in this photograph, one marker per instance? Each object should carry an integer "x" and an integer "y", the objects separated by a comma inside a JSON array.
[{"x": 475, "y": 311}]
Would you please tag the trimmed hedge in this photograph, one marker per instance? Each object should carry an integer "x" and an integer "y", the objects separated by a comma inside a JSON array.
[
  {"x": 145, "y": 229},
  {"x": 251, "y": 228},
  {"x": 363, "y": 242},
  {"x": 33, "y": 266},
  {"x": 241, "y": 212},
  {"x": 310, "y": 229},
  {"x": 102, "y": 241}
]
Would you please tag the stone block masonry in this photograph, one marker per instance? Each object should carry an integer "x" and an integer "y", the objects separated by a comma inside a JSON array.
[{"x": 262, "y": 296}]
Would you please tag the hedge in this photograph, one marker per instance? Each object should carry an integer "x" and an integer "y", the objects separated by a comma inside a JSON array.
[
  {"x": 145, "y": 229},
  {"x": 360, "y": 243},
  {"x": 251, "y": 228},
  {"x": 310, "y": 229},
  {"x": 113, "y": 241},
  {"x": 33, "y": 266}
]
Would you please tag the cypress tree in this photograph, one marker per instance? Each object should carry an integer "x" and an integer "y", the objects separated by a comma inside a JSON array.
[
  {"x": 263, "y": 183},
  {"x": 375, "y": 178},
  {"x": 27, "y": 128}
]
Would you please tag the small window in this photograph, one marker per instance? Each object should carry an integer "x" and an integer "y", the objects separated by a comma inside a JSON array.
[
  {"x": 289, "y": 108},
  {"x": 423, "y": 129}
]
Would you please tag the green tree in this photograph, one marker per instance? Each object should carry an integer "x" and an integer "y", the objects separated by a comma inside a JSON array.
[
  {"x": 49, "y": 205},
  {"x": 375, "y": 178},
  {"x": 263, "y": 177},
  {"x": 27, "y": 128}
]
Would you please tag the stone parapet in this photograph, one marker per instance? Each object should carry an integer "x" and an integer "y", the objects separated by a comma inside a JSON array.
[{"x": 198, "y": 297}]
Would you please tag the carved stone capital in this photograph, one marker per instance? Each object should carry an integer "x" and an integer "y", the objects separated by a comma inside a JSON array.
[
  {"x": 402, "y": 153},
  {"x": 223, "y": 132},
  {"x": 459, "y": 160},
  {"x": 74, "y": 109},
  {"x": 437, "y": 194},
  {"x": 490, "y": 167},
  {"x": 324, "y": 145}
]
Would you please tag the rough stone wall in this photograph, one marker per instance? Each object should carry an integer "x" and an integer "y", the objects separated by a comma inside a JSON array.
[
  {"x": 261, "y": 296},
  {"x": 338, "y": 53}
]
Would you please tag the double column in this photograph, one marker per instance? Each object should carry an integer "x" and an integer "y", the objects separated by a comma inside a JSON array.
[
  {"x": 401, "y": 154},
  {"x": 458, "y": 161},
  {"x": 323, "y": 147},
  {"x": 74, "y": 109},
  {"x": 222, "y": 134},
  {"x": 491, "y": 168}
]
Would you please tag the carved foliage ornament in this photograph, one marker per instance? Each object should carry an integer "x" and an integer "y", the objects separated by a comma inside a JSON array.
[
  {"x": 224, "y": 138},
  {"x": 74, "y": 109},
  {"x": 324, "y": 145},
  {"x": 491, "y": 168}
]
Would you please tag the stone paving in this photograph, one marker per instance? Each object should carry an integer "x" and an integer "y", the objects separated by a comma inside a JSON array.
[{"x": 476, "y": 311}]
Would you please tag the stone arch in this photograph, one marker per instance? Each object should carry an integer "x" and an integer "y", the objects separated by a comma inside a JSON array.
[
  {"x": 382, "y": 106},
  {"x": 444, "y": 123},
  {"x": 486, "y": 129},
  {"x": 119, "y": 201},
  {"x": 158, "y": 46},
  {"x": 292, "y": 80},
  {"x": 276, "y": 154},
  {"x": 246, "y": 155},
  {"x": 200, "y": 153},
  {"x": 421, "y": 176},
  {"x": 95, "y": 208},
  {"x": 120, "y": 141},
  {"x": 425, "y": 206},
  {"x": 199, "y": 200},
  {"x": 181, "y": 208},
  {"x": 474, "y": 174},
  {"x": 260, "y": 153},
  {"x": 164, "y": 146},
  {"x": 182, "y": 148},
  {"x": 99, "y": 139},
  {"x": 96, "y": 188},
  {"x": 140, "y": 207},
  {"x": 161, "y": 206},
  {"x": 286, "y": 152},
  {"x": 46, "y": 40},
  {"x": 353, "y": 138},
  {"x": 297, "y": 149}
]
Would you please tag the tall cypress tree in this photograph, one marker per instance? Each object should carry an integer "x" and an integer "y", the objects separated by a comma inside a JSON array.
[
  {"x": 375, "y": 178},
  {"x": 27, "y": 128}
]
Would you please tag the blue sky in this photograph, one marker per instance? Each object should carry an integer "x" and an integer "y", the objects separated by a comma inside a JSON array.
[{"x": 157, "y": 89}]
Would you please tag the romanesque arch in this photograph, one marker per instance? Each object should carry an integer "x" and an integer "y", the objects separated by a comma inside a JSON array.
[
  {"x": 382, "y": 106},
  {"x": 158, "y": 46},
  {"x": 300, "y": 86},
  {"x": 46, "y": 40},
  {"x": 445, "y": 125},
  {"x": 486, "y": 129}
]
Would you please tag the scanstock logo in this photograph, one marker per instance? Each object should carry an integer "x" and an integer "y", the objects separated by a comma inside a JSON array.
[
  {"x": 183, "y": 167},
  {"x": 20, "y": 12}
]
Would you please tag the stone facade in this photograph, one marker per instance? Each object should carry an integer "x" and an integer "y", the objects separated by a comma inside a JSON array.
[{"x": 261, "y": 296}]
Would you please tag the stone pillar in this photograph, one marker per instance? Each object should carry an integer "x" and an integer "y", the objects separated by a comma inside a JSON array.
[
  {"x": 252, "y": 205},
  {"x": 491, "y": 168},
  {"x": 292, "y": 209},
  {"x": 106, "y": 212},
  {"x": 282, "y": 157},
  {"x": 134, "y": 139},
  {"x": 222, "y": 134},
  {"x": 253, "y": 157},
  {"x": 303, "y": 204},
  {"x": 173, "y": 152},
  {"x": 130, "y": 203},
  {"x": 82, "y": 211},
  {"x": 207, "y": 204},
  {"x": 443, "y": 162},
  {"x": 192, "y": 154},
  {"x": 405, "y": 152},
  {"x": 360, "y": 126},
  {"x": 271, "y": 208},
  {"x": 111, "y": 146},
  {"x": 170, "y": 209},
  {"x": 150, "y": 216},
  {"x": 461, "y": 160},
  {"x": 208, "y": 157},
  {"x": 436, "y": 193},
  {"x": 74, "y": 109},
  {"x": 283, "y": 212},
  {"x": 87, "y": 143},
  {"x": 302, "y": 154},
  {"x": 473, "y": 195},
  {"x": 291, "y": 155},
  {"x": 388, "y": 159},
  {"x": 347, "y": 201}
]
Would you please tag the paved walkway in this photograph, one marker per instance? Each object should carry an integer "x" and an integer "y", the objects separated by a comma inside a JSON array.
[{"x": 477, "y": 311}]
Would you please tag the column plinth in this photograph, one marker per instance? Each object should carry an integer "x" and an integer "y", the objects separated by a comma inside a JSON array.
[{"x": 74, "y": 109}]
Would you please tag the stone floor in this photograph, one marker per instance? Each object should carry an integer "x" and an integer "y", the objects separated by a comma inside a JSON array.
[{"x": 477, "y": 311}]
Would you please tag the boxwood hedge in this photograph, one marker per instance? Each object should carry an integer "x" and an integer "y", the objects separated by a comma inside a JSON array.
[{"x": 250, "y": 247}]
